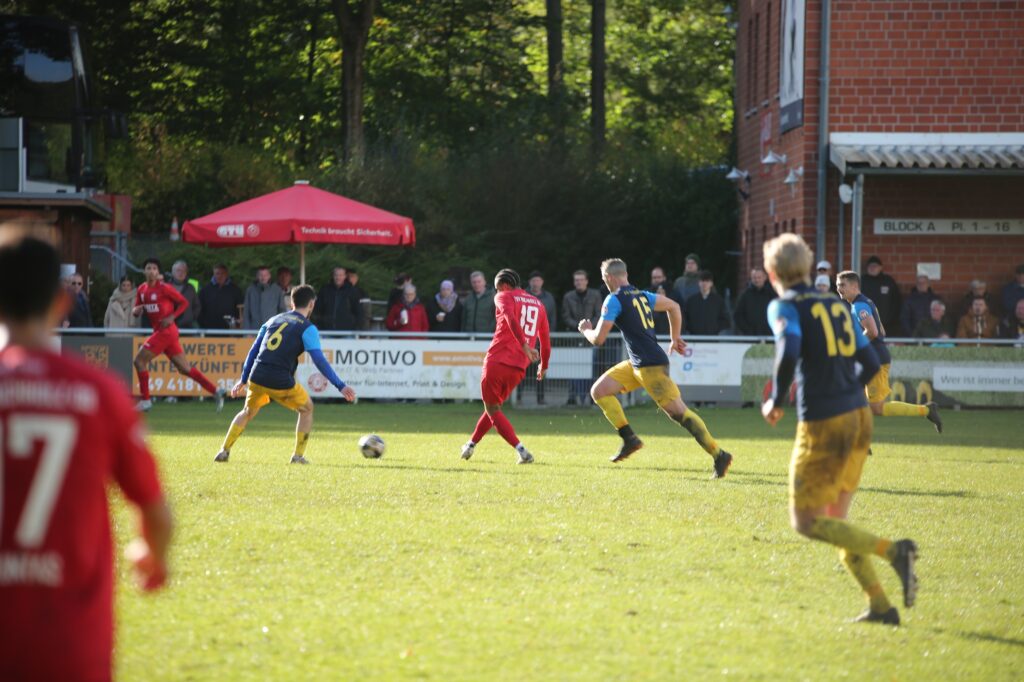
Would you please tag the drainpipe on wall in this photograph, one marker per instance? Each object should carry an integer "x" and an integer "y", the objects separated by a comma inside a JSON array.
[{"x": 823, "y": 80}]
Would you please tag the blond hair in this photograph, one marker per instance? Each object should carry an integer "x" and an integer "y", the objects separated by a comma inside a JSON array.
[
  {"x": 614, "y": 266},
  {"x": 789, "y": 257}
]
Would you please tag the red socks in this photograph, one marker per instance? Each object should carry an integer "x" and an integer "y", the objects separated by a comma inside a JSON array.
[
  {"x": 504, "y": 427},
  {"x": 482, "y": 427},
  {"x": 144, "y": 384},
  {"x": 202, "y": 380}
]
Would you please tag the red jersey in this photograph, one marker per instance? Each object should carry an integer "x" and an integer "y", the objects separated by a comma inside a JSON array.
[
  {"x": 521, "y": 319},
  {"x": 66, "y": 431},
  {"x": 161, "y": 300}
]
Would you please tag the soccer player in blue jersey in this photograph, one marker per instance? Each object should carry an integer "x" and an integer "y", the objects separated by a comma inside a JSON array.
[
  {"x": 815, "y": 340},
  {"x": 866, "y": 313},
  {"x": 269, "y": 372},
  {"x": 632, "y": 311}
]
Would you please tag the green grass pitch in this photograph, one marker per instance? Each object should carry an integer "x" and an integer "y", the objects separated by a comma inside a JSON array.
[{"x": 422, "y": 566}]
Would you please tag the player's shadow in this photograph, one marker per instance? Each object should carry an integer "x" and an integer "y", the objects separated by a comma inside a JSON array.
[
  {"x": 470, "y": 469},
  {"x": 982, "y": 637},
  {"x": 965, "y": 494}
]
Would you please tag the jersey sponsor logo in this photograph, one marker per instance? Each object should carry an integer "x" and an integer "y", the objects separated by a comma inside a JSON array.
[
  {"x": 152, "y": 307},
  {"x": 29, "y": 568},
  {"x": 231, "y": 231}
]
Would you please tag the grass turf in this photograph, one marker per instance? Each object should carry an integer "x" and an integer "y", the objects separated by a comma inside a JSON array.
[{"x": 420, "y": 565}]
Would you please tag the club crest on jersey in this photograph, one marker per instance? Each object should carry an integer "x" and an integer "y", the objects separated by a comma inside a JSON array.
[{"x": 152, "y": 297}]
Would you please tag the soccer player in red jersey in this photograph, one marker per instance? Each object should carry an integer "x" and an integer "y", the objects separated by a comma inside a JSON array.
[
  {"x": 162, "y": 304},
  {"x": 66, "y": 431},
  {"x": 521, "y": 322}
]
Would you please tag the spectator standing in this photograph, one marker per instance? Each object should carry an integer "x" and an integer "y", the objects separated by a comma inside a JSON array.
[
  {"x": 189, "y": 288},
  {"x": 705, "y": 311},
  {"x": 362, "y": 300},
  {"x": 936, "y": 325},
  {"x": 1014, "y": 291},
  {"x": 917, "y": 306},
  {"x": 822, "y": 284},
  {"x": 284, "y": 280},
  {"x": 478, "y": 307},
  {"x": 1013, "y": 324},
  {"x": 825, "y": 268},
  {"x": 336, "y": 307},
  {"x": 883, "y": 290},
  {"x": 79, "y": 315},
  {"x": 978, "y": 289},
  {"x": 687, "y": 284},
  {"x": 535, "y": 286},
  {"x": 444, "y": 311},
  {"x": 751, "y": 314},
  {"x": 119, "y": 308},
  {"x": 397, "y": 291},
  {"x": 408, "y": 315},
  {"x": 658, "y": 282},
  {"x": 978, "y": 323},
  {"x": 219, "y": 301},
  {"x": 582, "y": 303},
  {"x": 262, "y": 300}
]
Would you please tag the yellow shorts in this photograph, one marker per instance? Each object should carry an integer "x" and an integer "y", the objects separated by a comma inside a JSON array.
[
  {"x": 258, "y": 396},
  {"x": 878, "y": 388},
  {"x": 828, "y": 457},
  {"x": 655, "y": 380}
]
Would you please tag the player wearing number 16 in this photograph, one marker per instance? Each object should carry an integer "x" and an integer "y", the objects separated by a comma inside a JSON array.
[
  {"x": 269, "y": 372},
  {"x": 521, "y": 325},
  {"x": 67, "y": 430},
  {"x": 632, "y": 311}
]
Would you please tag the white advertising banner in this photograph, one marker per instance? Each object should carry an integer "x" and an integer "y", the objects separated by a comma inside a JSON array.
[
  {"x": 1003, "y": 379},
  {"x": 709, "y": 364},
  {"x": 378, "y": 368}
]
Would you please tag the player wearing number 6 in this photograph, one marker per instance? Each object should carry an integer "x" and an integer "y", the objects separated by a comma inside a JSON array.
[
  {"x": 521, "y": 324},
  {"x": 269, "y": 372},
  {"x": 632, "y": 311},
  {"x": 67, "y": 430},
  {"x": 816, "y": 341}
]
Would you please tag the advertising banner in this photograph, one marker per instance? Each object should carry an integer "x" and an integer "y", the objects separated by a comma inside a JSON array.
[
  {"x": 1003, "y": 379},
  {"x": 709, "y": 364},
  {"x": 219, "y": 358}
]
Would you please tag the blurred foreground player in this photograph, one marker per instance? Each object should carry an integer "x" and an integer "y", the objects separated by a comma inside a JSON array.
[
  {"x": 163, "y": 304},
  {"x": 815, "y": 340},
  {"x": 632, "y": 311},
  {"x": 269, "y": 372},
  {"x": 521, "y": 321},
  {"x": 67, "y": 430}
]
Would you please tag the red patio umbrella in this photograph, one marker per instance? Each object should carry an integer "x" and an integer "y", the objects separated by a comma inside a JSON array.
[{"x": 300, "y": 214}]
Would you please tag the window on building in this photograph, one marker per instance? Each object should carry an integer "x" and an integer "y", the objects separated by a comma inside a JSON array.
[
  {"x": 750, "y": 64},
  {"x": 757, "y": 60}
]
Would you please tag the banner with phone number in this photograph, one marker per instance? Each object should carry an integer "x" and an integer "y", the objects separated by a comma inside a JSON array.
[{"x": 219, "y": 358}]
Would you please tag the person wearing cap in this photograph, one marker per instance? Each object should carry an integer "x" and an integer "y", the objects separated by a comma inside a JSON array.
[
  {"x": 883, "y": 290},
  {"x": 688, "y": 283},
  {"x": 704, "y": 314},
  {"x": 751, "y": 314},
  {"x": 822, "y": 284},
  {"x": 825, "y": 268},
  {"x": 444, "y": 311}
]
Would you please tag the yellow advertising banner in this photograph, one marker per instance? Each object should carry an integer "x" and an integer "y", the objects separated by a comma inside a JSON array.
[{"x": 219, "y": 358}]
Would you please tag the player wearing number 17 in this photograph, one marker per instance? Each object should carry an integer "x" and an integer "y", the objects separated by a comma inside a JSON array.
[
  {"x": 67, "y": 430},
  {"x": 816, "y": 341},
  {"x": 269, "y": 372}
]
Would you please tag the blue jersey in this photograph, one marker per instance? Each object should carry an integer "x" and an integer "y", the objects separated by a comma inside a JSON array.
[
  {"x": 826, "y": 379},
  {"x": 282, "y": 340},
  {"x": 632, "y": 311},
  {"x": 863, "y": 307}
]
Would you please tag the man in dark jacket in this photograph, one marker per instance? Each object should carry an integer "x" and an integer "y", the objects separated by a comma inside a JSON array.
[
  {"x": 336, "y": 308},
  {"x": 79, "y": 315},
  {"x": 219, "y": 301},
  {"x": 362, "y": 298},
  {"x": 187, "y": 288},
  {"x": 883, "y": 290},
  {"x": 936, "y": 325},
  {"x": 659, "y": 285},
  {"x": 751, "y": 314},
  {"x": 917, "y": 305},
  {"x": 705, "y": 311}
]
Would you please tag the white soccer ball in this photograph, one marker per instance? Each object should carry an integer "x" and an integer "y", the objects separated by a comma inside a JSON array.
[{"x": 372, "y": 446}]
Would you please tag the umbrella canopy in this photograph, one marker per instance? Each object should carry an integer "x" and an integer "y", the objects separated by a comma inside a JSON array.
[{"x": 300, "y": 214}]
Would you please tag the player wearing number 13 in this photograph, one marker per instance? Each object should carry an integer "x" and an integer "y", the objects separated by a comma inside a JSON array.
[
  {"x": 816, "y": 341},
  {"x": 67, "y": 430}
]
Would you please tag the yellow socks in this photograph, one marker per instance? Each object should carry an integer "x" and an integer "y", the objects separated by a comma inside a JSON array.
[
  {"x": 300, "y": 442},
  {"x": 234, "y": 431},
  {"x": 692, "y": 422},
  {"x": 859, "y": 566},
  {"x": 847, "y": 536},
  {"x": 609, "y": 404},
  {"x": 895, "y": 409}
]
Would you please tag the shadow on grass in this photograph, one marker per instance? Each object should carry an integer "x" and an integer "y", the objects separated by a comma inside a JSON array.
[
  {"x": 965, "y": 494},
  {"x": 981, "y": 637}
]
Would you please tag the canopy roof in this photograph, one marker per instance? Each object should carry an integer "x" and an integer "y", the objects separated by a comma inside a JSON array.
[
  {"x": 300, "y": 213},
  {"x": 962, "y": 153}
]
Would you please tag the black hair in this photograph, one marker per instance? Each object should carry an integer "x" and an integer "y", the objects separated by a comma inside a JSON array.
[
  {"x": 535, "y": 273},
  {"x": 151, "y": 259},
  {"x": 124, "y": 279},
  {"x": 705, "y": 276},
  {"x": 283, "y": 269},
  {"x": 29, "y": 278},
  {"x": 302, "y": 295},
  {"x": 508, "y": 276},
  {"x": 352, "y": 271}
]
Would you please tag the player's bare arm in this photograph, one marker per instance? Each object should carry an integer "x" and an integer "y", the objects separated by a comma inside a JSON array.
[
  {"x": 148, "y": 552},
  {"x": 597, "y": 336},
  {"x": 664, "y": 304}
]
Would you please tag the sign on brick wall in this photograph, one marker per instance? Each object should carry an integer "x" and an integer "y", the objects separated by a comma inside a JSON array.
[
  {"x": 791, "y": 66},
  {"x": 947, "y": 226}
]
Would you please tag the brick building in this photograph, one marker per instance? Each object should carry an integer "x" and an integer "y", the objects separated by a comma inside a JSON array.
[{"x": 924, "y": 123}]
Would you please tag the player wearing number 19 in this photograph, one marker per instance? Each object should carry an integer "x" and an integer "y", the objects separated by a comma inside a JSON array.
[
  {"x": 815, "y": 340},
  {"x": 632, "y": 311},
  {"x": 67, "y": 430},
  {"x": 269, "y": 372}
]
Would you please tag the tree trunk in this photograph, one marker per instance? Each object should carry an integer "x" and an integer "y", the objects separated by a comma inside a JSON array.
[
  {"x": 597, "y": 74},
  {"x": 353, "y": 34},
  {"x": 556, "y": 72}
]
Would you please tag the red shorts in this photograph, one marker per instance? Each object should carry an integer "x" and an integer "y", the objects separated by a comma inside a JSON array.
[
  {"x": 498, "y": 381},
  {"x": 164, "y": 341}
]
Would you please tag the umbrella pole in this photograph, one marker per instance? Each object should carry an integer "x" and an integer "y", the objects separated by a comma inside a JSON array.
[{"x": 302, "y": 262}]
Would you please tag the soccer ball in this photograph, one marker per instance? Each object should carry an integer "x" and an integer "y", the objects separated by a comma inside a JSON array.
[{"x": 372, "y": 446}]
